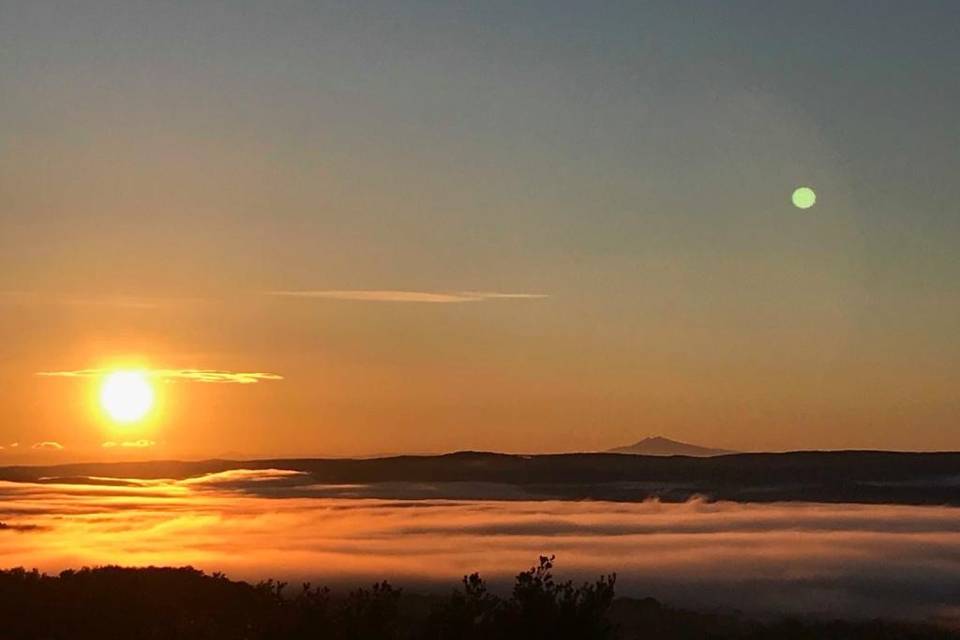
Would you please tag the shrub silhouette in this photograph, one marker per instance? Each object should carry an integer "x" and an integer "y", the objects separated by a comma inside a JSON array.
[
  {"x": 543, "y": 608},
  {"x": 538, "y": 608},
  {"x": 469, "y": 614},
  {"x": 372, "y": 613}
]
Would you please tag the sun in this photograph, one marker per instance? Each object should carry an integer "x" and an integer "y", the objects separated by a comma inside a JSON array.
[{"x": 126, "y": 396}]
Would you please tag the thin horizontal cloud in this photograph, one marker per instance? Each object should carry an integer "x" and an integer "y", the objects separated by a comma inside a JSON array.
[
  {"x": 387, "y": 295},
  {"x": 193, "y": 375},
  {"x": 128, "y": 444},
  {"x": 213, "y": 375},
  {"x": 48, "y": 445},
  {"x": 247, "y": 479}
]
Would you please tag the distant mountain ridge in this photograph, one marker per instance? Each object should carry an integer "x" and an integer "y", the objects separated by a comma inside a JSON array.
[
  {"x": 660, "y": 446},
  {"x": 874, "y": 477}
]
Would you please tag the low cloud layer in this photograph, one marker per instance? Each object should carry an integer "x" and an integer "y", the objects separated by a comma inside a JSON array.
[
  {"x": 843, "y": 560},
  {"x": 192, "y": 375},
  {"x": 407, "y": 296}
]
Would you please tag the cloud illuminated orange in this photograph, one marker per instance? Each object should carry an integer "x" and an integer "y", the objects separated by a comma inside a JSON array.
[
  {"x": 193, "y": 375},
  {"x": 129, "y": 444},
  {"x": 785, "y": 558},
  {"x": 48, "y": 445}
]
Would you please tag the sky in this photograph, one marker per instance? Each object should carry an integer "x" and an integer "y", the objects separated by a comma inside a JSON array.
[{"x": 536, "y": 226}]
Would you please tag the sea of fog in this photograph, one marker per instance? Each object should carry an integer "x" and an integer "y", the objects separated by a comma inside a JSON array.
[{"x": 832, "y": 559}]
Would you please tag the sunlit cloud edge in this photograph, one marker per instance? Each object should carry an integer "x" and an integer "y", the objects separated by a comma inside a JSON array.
[
  {"x": 48, "y": 445},
  {"x": 214, "y": 376},
  {"x": 128, "y": 444}
]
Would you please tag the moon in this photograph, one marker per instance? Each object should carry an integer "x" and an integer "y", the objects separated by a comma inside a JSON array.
[
  {"x": 126, "y": 396},
  {"x": 804, "y": 197}
]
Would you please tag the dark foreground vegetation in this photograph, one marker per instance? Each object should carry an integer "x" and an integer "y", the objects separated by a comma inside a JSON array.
[{"x": 168, "y": 604}]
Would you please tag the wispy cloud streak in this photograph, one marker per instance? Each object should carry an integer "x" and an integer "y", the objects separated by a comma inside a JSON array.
[
  {"x": 192, "y": 375},
  {"x": 48, "y": 445},
  {"x": 388, "y": 295},
  {"x": 128, "y": 444}
]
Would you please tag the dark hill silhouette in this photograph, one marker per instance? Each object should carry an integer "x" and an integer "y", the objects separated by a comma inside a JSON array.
[
  {"x": 660, "y": 446},
  {"x": 817, "y": 476}
]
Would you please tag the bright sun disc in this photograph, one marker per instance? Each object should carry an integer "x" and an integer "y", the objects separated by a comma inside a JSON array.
[{"x": 126, "y": 396}]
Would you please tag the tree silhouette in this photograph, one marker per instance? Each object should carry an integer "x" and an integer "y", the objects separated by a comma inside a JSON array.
[{"x": 114, "y": 603}]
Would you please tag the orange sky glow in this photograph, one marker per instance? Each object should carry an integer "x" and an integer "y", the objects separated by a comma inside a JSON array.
[{"x": 381, "y": 228}]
